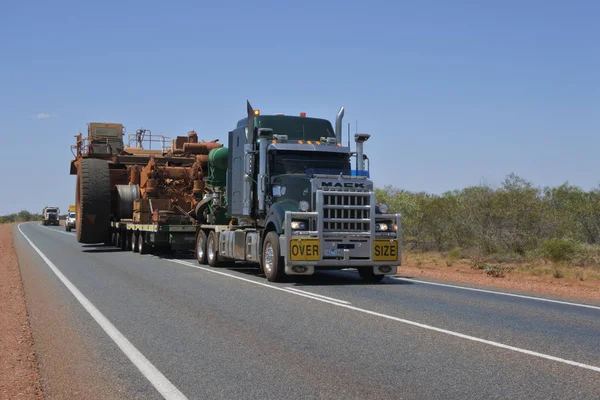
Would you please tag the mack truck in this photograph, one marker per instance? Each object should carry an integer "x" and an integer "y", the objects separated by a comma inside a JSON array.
[
  {"x": 284, "y": 196},
  {"x": 50, "y": 215}
]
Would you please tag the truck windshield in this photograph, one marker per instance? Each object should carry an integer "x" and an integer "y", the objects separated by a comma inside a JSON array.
[
  {"x": 296, "y": 128},
  {"x": 288, "y": 162}
]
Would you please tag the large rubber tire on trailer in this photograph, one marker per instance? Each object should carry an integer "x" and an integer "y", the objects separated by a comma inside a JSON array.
[
  {"x": 272, "y": 262},
  {"x": 201, "y": 239},
  {"x": 126, "y": 195},
  {"x": 367, "y": 275},
  {"x": 212, "y": 249},
  {"x": 93, "y": 201}
]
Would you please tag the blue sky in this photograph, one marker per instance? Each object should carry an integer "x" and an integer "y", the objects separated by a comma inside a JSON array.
[{"x": 454, "y": 93}]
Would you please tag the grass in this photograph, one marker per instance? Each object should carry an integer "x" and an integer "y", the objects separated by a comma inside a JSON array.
[{"x": 499, "y": 266}]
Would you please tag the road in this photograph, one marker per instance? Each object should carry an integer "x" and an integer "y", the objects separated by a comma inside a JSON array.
[{"x": 113, "y": 324}]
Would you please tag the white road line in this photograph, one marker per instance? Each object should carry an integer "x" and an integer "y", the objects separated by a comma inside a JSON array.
[
  {"x": 401, "y": 320},
  {"x": 54, "y": 230},
  {"x": 499, "y": 293},
  {"x": 319, "y": 295},
  {"x": 156, "y": 378}
]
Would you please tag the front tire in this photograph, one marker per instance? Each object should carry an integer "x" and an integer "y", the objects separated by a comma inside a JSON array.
[
  {"x": 367, "y": 275},
  {"x": 201, "y": 247},
  {"x": 272, "y": 261}
]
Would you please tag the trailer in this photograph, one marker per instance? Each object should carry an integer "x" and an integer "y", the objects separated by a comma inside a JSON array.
[{"x": 152, "y": 237}]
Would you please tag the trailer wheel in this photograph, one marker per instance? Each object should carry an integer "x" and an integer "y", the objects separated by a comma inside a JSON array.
[
  {"x": 201, "y": 247},
  {"x": 135, "y": 237},
  {"x": 212, "y": 249},
  {"x": 93, "y": 201},
  {"x": 143, "y": 247},
  {"x": 367, "y": 275},
  {"x": 272, "y": 261},
  {"x": 124, "y": 239}
]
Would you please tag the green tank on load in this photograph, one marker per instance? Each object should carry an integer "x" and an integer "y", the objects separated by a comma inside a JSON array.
[{"x": 217, "y": 167}]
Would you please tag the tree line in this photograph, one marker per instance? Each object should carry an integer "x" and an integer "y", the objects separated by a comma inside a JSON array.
[
  {"x": 22, "y": 216},
  {"x": 517, "y": 219}
]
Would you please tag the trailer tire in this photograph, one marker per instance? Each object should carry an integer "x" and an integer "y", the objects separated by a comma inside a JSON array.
[
  {"x": 212, "y": 249},
  {"x": 272, "y": 262},
  {"x": 143, "y": 247},
  {"x": 124, "y": 240},
  {"x": 201, "y": 239},
  {"x": 93, "y": 201},
  {"x": 367, "y": 275},
  {"x": 135, "y": 237}
]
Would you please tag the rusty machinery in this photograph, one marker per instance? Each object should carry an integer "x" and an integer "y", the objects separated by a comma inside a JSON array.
[{"x": 112, "y": 178}]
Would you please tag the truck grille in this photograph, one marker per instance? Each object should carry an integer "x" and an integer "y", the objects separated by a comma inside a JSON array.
[{"x": 346, "y": 212}]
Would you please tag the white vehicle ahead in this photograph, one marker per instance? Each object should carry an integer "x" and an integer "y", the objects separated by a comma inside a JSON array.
[{"x": 70, "y": 221}]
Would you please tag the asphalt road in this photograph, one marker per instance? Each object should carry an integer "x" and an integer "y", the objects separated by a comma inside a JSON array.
[{"x": 113, "y": 324}]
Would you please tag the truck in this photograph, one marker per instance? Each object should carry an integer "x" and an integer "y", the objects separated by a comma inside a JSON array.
[
  {"x": 50, "y": 215},
  {"x": 283, "y": 196},
  {"x": 71, "y": 219}
]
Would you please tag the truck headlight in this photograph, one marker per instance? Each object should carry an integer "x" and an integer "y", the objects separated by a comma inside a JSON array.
[
  {"x": 383, "y": 208},
  {"x": 303, "y": 205},
  {"x": 382, "y": 227},
  {"x": 298, "y": 225}
]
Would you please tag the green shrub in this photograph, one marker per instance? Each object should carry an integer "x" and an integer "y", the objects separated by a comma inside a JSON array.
[
  {"x": 453, "y": 255},
  {"x": 558, "y": 250}
]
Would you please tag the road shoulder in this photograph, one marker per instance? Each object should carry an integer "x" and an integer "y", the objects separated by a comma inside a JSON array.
[{"x": 19, "y": 371}]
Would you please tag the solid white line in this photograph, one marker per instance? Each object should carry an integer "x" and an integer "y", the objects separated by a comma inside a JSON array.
[
  {"x": 499, "y": 293},
  {"x": 319, "y": 295},
  {"x": 156, "y": 378},
  {"x": 401, "y": 320}
]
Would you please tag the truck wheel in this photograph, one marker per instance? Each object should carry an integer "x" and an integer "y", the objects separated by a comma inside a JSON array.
[
  {"x": 201, "y": 247},
  {"x": 93, "y": 201},
  {"x": 134, "y": 241},
  {"x": 143, "y": 247},
  {"x": 272, "y": 261},
  {"x": 367, "y": 275},
  {"x": 212, "y": 249}
]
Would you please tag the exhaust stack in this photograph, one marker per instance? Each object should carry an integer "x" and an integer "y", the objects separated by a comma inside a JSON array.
[
  {"x": 338, "y": 125},
  {"x": 360, "y": 139}
]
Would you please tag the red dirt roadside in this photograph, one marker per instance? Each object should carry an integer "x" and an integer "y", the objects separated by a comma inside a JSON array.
[{"x": 19, "y": 374}]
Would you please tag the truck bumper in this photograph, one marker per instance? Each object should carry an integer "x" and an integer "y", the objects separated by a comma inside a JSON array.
[{"x": 306, "y": 251}]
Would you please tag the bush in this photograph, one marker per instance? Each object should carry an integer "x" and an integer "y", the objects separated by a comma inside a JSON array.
[
  {"x": 453, "y": 255},
  {"x": 498, "y": 270},
  {"x": 559, "y": 250},
  {"x": 512, "y": 223}
]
